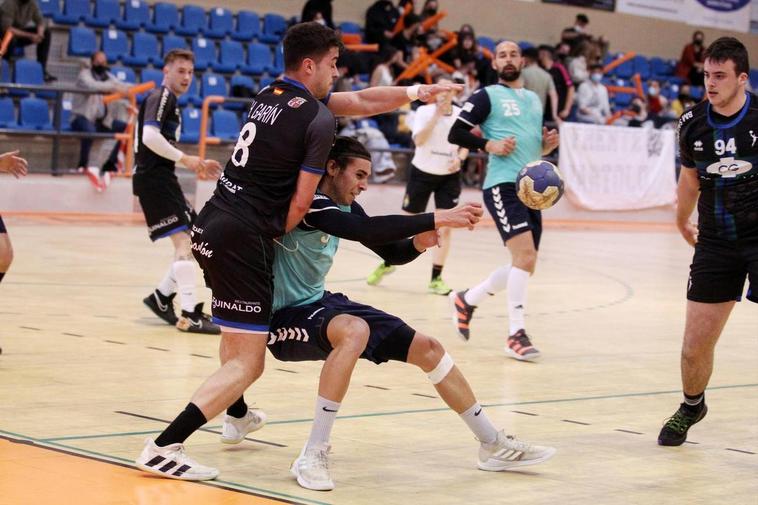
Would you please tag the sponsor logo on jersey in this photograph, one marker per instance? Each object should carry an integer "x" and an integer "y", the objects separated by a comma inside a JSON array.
[
  {"x": 283, "y": 334},
  {"x": 162, "y": 104},
  {"x": 237, "y": 306},
  {"x": 318, "y": 196},
  {"x": 296, "y": 102},
  {"x": 520, "y": 225},
  {"x": 201, "y": 249},
  {"x": 754, "y": 137},
  {"x": 685, "y": 117},
  {"x": 698, "y": 146},
  {"x": 166, "y": 221},
  {"x": 468, "y": 106},
  {"x": 229, "y": 185},
  {"x": 729, "y": 167}
]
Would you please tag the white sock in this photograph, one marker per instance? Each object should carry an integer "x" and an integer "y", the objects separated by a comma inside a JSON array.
[
  {"x": 184, "y": 273},
  {"x": 497, "y": 281},
  {"x": 480, "y": 424},
  {"x": 517, "y": 280},
  {"x": 323, "y": 420},
  {"x": 168, "y": 284}
]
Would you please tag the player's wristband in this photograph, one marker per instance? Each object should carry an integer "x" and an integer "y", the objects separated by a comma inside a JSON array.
[{"x": 412, "y": 92}]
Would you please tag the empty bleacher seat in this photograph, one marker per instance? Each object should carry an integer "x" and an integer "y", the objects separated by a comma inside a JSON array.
[
  {"x": 115, "y": 45},
  {"x": 642, "y": 67},
  {"x": 49, "y": 8},
  {"x": 165, "y": 18},
  {"x": 34, "y": 114},
  {"x": 240, "y": 86},
  {"x": 144, "y": 50},
  {"x": 150, "y": 74},
  {"x": 231, "y": 56},
  {"x": 67, "y": 106},
  {"x": 192, "y": 95},
  {"x": 259, "y": 59},
  {"x": 29, "y": 72},
  {"x": 7, "y": 113},
  {"x": 173, "y": 42},
  {"x": 226, "y": 125},
  {"x": 278, "y": 66},
  {"x": 248, "y": 26},
  {"x": 124, "y": 74},
  {"x": 220, "y": 23},
  {"x": 82, "y": 41},
  {"x": 265, "y": 81},
  {"x": 73, "y": 12},
  {"x": 486, "y": 42},
  {"x": 106, "y": 12},
  {"x": 213, "y": 84},
  {"x": 350, "y": 27},
  {"x": 754, "y": 78},
  {"x": 5, "y": 71},
  {"x": 190, "y": 126},
  {"x": 623, "y": 99},
  {"x": 661, "y": 68},
  {"x": 136, "y": 15},
  {"x": 525, "y": 44},
  {"x": 205, "y": 52},
  {"x": 697, "y": 92},
  {"x": 625, "y": 70},
  {"x": 274, "y": 27},
  {"x": 193, "y": 21}
]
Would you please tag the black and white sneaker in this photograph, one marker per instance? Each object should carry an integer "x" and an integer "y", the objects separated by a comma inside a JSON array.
[
  {"x": 197, "y": 322},
  {"x": 162, "y": 306},
  {"x": 172, "y": 462}
]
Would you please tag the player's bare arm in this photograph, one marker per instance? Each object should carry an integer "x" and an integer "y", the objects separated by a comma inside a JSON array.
[
  {"x": 687, "y": 193},
  {"x": 380, "y": 99}
]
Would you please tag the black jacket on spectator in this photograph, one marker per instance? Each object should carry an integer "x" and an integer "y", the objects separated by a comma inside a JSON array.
[
  {"x": 312, "y": 7},
  {"x": 380, "y": 17}
]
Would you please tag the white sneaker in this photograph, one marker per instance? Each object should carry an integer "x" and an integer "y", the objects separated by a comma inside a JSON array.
[
  {"x": 311, "y": 468},
  {"x": 172, "y": 462},
  {"x": 235, "y": 429},
  {"x": 506, "y": 452}
]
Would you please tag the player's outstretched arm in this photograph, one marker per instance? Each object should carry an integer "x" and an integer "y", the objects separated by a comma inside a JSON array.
[
  {"x": 12, "y": 164},
  {"x": 687, "y": 193},
  {"x": 380, "y": 99},
  {"x": 463, "y": 216}
]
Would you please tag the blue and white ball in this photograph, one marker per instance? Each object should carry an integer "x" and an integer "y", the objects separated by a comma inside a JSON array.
[{"x": 539, "y": 185}]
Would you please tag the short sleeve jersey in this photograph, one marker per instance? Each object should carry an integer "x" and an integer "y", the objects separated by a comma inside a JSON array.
[
  {"x": 286, "y": 130},
  {"x": 724, "y": 151},
  {"x": 159, "y": 109},
  {"x": 436, "y": 154},
  {"x": 500, "y": 112}
]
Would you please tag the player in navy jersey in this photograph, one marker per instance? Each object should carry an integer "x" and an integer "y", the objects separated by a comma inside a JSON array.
[
  {"x": 167, "y": 212},
  {"x": 718, "y": 140},
  {"x": 265, "y": 190}
]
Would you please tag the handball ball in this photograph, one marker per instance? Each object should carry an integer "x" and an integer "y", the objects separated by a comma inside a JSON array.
[{"x": 539, "y": 185}]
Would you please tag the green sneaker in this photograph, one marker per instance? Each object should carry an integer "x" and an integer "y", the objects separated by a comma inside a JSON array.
[
  {"x": 438, "y": 287},
  {"x": 674, "y": 432},
  {"x": 376, "y": 276}
]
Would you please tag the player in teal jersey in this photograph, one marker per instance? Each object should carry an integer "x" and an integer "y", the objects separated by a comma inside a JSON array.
[
  {"x": 312, "y": 324},
  {"x": 510, "y": 118}
]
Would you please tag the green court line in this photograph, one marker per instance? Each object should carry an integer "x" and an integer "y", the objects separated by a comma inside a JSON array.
[{"x": 421, "y": 411}]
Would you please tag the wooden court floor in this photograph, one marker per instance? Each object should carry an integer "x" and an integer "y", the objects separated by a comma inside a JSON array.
[{"x": 87, "y": 373}]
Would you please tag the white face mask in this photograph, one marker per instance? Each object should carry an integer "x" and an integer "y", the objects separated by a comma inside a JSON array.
[
  {"x": 596, "y": 77},
  {"x": 652, "y": 91},
  {"x": 578, "y": 28}
]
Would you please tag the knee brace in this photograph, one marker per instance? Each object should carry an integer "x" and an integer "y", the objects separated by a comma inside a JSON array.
[{"x": 441, "y": 370}]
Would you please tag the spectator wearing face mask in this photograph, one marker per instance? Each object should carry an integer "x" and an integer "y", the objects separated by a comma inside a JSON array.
[
  {"x": 656, "y": 103},
  {"x": 690, "y": 66},
  {"x": 318, "y": 10},
  {"x": 638, "y": 112},
  {"x": 592, "y": 99}
]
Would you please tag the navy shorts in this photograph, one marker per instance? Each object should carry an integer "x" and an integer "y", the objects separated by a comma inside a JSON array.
[
  {"x": 719, "y": 269},
  {"x": 237, "y": 264},
  {"x": 511, "y": 216},
  {"x": 2, "y": 226},
  {"x": 299, "y": 333},
  {"x": 166, "y": 209},
  {"x": 421, "y": 185}
]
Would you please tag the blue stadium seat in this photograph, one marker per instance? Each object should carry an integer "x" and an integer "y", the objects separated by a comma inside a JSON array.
[
  {"x": 642, "y": 67},
  {"x": 106, "y": 12},
  {"x": 697, "y": 92},
  {"x": 193, "y": 21},
  {"x": 165, "y": 18},
  {"x": 660, "y": 68},
  {"x": 625, "y": 70},
  {"x": 213, "y": 84},
  {"x": 192, "y": 95},
  {"x": 144, "y": 50},
  {"x": 29, "y": 72},
  {"x": 34, "y": 114},
  {"x": 136, "y": 15},
  {"x": 190, "y": 126},
  {"x": 66, "y": 112},
  {"x": 350, "y": 27},
  {"x": 274, "y": 27},
  {"x": 115, "y": 45},
  {"x": 73, "y": 12},
  {"x": 226, "y": 125},
  {"x": 5, "y": 71},
  {"x": 124, "y": 74},
  {"x": 277, "y": 67},
  {"x": 623, "y": 100},
  {"x": 486, "y": 42},
  {"x": 49, "y": 8},
  {"x": 248, "y": 26},
  {"x": 754, "y": 78},
  {"x": 265, "y": 81},
  {"x": 205, "y": 52},
  {"x": 150, "y": 74},
  {"x": 7, "y": 113},
  {"x": 240, "y": 81},
  {"x": 259, "y": 59},
  {"x": 173, "y": 42},
  {"x": 82, "y": 41},
  {"x": 231, "y": 56},
  {"x": 220, "y": 23},
  {"x": 525, "y": 44}
]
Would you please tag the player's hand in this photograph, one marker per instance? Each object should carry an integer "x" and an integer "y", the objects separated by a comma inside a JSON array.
[
  {"x": 454, "y": 165},
  {"x": 550, "y": 140},
  {"x": 193, "y": 163},
  {"x": 424, "y": 241},
  {"x": 463, "y": 216},
  {"x": 12, "y": 164},
  {"x": 689, "y": 231},
  {"x": 211, "y": 169},
  {"x": 428, "y": 92},
  {"x": 502, "y": 147}
]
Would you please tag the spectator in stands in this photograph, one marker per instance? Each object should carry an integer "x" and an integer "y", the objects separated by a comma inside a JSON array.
[
  {"x": 683, "y": 101},
  {"x": 24, "y": 19},
  {"x": 466, "y": 29},
  {"x": 383, "y": 75},
  {"x": 405, "y": 40},
  {"x": 592, "y": 98},
  {"x": 430, "y": 9},
  {"x": 656, "y": 103},
  {"x": 318, "y": 10},
  {"x": 464, "y": 54},
  {"x": 540, "y": 81},
  {"x": 381, "y": 19},
  {"x": 575, "y": 35},
  {"x": 564, "y": 86},
  {"x": 90, "y": 114},
  {"x": 637, "y": 113},
  {"x": 690, "y": 66},
  {"x": 579, "y": 63}
]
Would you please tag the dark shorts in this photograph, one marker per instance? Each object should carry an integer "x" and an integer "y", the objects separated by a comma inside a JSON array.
[
  {"x": 719, "y": 269},
  {"x": 421, "y": 185},
  {"x": 511, "y": 216},
  {"x": 299, "y": 333},
  {"x": 2, "y": 226},
  {"x": 236, "y": 263},
  {"x": 164, "y": 206}
]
